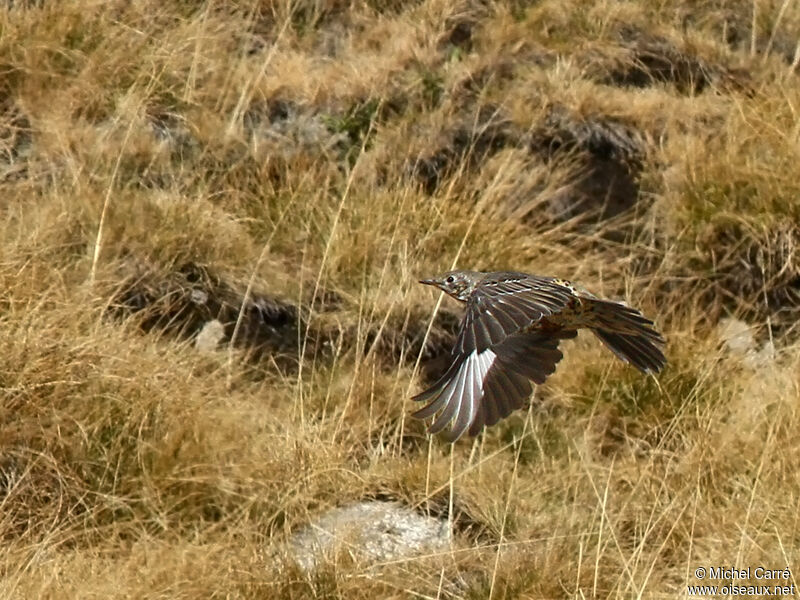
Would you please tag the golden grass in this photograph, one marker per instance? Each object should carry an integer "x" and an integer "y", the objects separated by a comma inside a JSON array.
[{"x": 274, "y": 143}]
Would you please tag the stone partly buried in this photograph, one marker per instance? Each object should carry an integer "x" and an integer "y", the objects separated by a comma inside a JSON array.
[
  {"x": 738, "y": 339},
  {"x": 370, "y": 531},
  {"x": 509, "y": 337}
]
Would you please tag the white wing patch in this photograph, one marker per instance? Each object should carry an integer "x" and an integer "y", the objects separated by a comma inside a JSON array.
[
  {"x": 485, "y": 360},
  {"x": 465, "y": 392}
]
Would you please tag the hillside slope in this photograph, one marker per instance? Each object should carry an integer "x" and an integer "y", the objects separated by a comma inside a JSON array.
[{"x": 290, "y": 170}]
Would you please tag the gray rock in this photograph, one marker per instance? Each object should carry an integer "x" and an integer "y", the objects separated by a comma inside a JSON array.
[
  {"x": 761, "y": 358},
  {"x": 736, "y": 335},
  {"x": 739, "y": 341},
  {"x": 371, "y": 532},
  {"x": 210, "y": 336}
]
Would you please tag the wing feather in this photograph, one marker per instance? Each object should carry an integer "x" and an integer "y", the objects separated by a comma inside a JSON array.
[{"x": 470, "y": 399}]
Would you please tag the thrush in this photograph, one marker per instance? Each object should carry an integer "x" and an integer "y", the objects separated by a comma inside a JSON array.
[{"x": 509, "y": 337}]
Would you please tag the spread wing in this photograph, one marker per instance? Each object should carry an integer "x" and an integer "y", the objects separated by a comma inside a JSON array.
[
  {"x": 496, "y": 354},
  {"x": 484, "y": 387}
]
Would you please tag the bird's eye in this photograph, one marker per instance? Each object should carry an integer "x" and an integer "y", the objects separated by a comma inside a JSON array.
[{"x": 450, "y": 279}]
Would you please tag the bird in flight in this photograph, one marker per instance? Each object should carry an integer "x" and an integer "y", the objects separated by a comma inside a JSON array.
[{"x": 509, "y": 337}]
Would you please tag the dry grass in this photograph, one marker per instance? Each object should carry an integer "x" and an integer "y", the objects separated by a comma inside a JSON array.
[{"x": 328, "y": 154}]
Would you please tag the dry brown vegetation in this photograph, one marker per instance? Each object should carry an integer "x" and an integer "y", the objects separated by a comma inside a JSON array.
[{"x": 295, "y": 167}]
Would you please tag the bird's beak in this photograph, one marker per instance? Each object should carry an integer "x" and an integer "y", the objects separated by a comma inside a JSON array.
[{"x": 427, "y": 281}]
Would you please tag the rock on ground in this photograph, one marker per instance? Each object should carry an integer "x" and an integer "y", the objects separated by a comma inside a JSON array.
[{"x": 370, "y": 531}]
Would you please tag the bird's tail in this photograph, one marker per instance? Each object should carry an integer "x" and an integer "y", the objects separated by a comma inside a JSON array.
[{"x": 628, "y": 334}]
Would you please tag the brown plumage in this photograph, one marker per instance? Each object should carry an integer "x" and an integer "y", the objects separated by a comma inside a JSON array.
[{"x": 509, "y": 337}]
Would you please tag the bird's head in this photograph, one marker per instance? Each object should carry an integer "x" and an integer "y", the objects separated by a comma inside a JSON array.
[{"x": 458, "y": 284}]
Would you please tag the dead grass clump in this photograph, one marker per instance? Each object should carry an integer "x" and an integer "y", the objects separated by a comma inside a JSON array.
[
  {"x": 604, "y": 158},
  {"x": 767, "y": 30},
  {"x": 640, "y": 416},
  {"x": 34, "y": 490},
  {"x": 406, "y": 342},
  {"x": 284, "y": 129},
  {"x": 485, "y": 75},
  {"x": 468, "y": 146},
  {"x": 466, "y": 18},
  {"x": 754, "y": 274},
  {"x": 595, "y": 160},
  {"x": 182, "y": 302},
  {"x": 16, "y": 135},
  {"x": 643, "y": 60}
]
